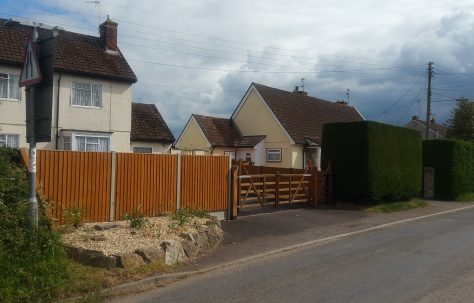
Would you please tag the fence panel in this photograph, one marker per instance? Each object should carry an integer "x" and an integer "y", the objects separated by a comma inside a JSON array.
[
  {"x": 204, "y": 182},
  {"x": 146, "y": 182},
  {"x": 75, "y": 180}
]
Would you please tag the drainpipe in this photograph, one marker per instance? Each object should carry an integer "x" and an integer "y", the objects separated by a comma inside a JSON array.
[{"x": 57, "y": 110}]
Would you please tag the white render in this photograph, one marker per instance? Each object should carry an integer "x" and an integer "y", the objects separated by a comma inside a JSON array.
[{"x": 112, "y": 119}]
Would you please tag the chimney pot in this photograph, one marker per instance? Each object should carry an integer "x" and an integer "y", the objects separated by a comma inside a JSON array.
[
  {"x": 108, "y": 34},
  {"x": 341, "y": 102},
  {"x": 414, "y": 117}
]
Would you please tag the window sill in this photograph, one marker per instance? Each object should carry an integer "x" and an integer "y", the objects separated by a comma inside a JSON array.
[
  {"x": 10, "y": 100},
  {"x": 87, "y": 107}
]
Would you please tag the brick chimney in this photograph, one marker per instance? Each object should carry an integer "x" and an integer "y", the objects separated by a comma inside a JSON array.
[{"x": 108, "y": 34}]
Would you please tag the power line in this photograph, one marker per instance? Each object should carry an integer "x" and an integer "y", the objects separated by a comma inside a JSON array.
[
  {"x": 358, "y": 71},
  {"x": 401, "y": 97}
]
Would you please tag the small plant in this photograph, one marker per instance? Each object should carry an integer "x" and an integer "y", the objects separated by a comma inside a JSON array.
[
  {"x": 136, "y": 218},
  {"x": 73, "y": 216},
  {"x": 184, "y": 215}
]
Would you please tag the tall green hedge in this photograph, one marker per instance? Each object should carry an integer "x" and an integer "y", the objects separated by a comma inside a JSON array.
[
  {"x": 453, "y": 161},
  {"x": 372, "y": 162}
]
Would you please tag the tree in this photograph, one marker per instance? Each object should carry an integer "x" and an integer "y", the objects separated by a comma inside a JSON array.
[{"x": 461, "y": 124}]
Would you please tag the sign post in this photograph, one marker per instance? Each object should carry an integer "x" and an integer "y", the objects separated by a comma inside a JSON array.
[{"x": 37, "y": 77}]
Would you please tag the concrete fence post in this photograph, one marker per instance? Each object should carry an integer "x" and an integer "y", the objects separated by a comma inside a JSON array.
[
  {"x": 178, "y": 183},
  {"x": 229, "y": 190},
  {"x": 113, "y": 181}
]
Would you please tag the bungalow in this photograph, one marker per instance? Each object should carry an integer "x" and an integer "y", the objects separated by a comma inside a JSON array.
[
  {"x": 270, "y": 127},
  {"x": 149, "y": 133},
  {"x": 437, "y": 131}
]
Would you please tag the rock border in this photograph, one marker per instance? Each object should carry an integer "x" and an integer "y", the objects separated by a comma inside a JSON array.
[{"x": 169, "y": 252}]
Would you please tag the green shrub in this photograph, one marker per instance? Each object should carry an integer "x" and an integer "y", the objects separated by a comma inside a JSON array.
[
  {"x": 453, "y": 161},
  {"x": 32, "y": 262},
  {"x": 372, "y": 162}
]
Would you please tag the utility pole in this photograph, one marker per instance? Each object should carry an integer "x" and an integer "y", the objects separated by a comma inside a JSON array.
[{"x": 428, "y": 100}]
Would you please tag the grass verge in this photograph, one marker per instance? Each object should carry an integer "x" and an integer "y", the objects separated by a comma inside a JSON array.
[
  {"x": 398, "y": 206},
  {"x": 467, "y": 197}
]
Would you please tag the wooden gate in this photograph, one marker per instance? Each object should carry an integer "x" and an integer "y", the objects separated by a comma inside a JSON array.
[{"x": 269, "y": 186}]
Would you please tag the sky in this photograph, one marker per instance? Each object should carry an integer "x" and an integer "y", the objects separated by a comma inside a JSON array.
[{"x": 201, "y": 56}]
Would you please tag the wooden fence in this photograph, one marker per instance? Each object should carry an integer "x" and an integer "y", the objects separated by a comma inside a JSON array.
[{"x": 105, "y": 186}]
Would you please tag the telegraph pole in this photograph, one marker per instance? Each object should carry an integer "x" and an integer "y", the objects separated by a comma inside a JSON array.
[{"x": 428, "y": 100}]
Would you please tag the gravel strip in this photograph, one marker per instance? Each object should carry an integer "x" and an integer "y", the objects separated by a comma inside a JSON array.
[{"x": 124, "y": 239}]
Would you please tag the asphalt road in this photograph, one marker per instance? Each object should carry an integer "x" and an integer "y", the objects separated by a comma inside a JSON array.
[{"x": 430, "y": 260}]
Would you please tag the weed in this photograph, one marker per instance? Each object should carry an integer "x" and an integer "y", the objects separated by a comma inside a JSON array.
[
  {"x": 73, "y": 216},
  {"x": 184, "y": 215},
  {"x": 136, "y": 218}
]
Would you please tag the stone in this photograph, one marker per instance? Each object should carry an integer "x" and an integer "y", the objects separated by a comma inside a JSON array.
[
  {"x": 188, "y": 236},
  {"x": 216, "y": 221},
  {"x": 133, "y": 232},
  {"x": 202, "y": 240},
  {"x": 174, "y": 252},
  {"x": 191, "y": 248},
  {"x": 91, "y": 257},
  {"x": 215, "y": 235},
  {"x": 151, "y": 254},
  {"x": 98, "y": 238},
  {"x": 202, "y": 228},
  {"x": 130, "y": 261},
  {"x": 105, "y": 226}
]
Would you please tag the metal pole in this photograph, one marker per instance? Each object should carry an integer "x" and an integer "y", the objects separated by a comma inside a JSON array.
[{"x": 32, "y": 201}]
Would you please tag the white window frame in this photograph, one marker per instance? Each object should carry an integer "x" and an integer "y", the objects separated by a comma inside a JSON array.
[
  {"x": 248, "y": 157},
  {"x": 141, "y": 149},
  {"x": 74, "y": 144},
  {"x": 9, "y": 98},
  {"x": 231, "y": 154},
  {"x": 4, "y": 140},
  {"x": 274, "y": 151},
  {"x": 74, "y": 83}
]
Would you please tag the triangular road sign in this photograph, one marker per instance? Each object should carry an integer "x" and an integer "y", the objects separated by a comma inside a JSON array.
[{"x": 30, "y": 73}]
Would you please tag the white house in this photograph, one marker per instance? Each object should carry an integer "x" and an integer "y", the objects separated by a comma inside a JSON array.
[{"x": 92, "y": 100}]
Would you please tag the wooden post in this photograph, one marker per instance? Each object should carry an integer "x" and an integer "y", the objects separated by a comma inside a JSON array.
[
  {"x": 289, "y": 191},
  {"x": 314, "y": 185},
  {"x": 277, "y": 189},
  {"x": 329, "y": 180},
  {"x": 235, "y": 191},
  {"x": 263, "y": 191}
]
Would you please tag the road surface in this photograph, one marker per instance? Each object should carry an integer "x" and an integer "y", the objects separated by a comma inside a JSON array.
[{"x": 430, "y": 260}]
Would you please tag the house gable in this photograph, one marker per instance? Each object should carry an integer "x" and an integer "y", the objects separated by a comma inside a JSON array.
[
  {"x": 253, "y": 117},
  {"x": 192, "y": 137}
]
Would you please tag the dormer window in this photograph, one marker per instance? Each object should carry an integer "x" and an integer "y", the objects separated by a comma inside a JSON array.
[
  {"x": 86, "y": 95},
  {"x": 9, "y": 87}
]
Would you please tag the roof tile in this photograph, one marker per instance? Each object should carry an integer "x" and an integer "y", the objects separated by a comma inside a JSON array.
[
  {"x": 74, "y": 53},
  {"x": 148, "y": 125}
]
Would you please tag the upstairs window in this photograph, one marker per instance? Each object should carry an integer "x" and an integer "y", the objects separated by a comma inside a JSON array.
[
  {"x": 9, "y": 140},
  {"x": 9, "y": 87},
  {"x": 86, "y": 94}
]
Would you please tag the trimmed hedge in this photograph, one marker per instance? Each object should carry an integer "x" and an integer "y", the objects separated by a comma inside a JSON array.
[
  {"x": 373, "y": 162},
  {"x": 453, "y": 161}
]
